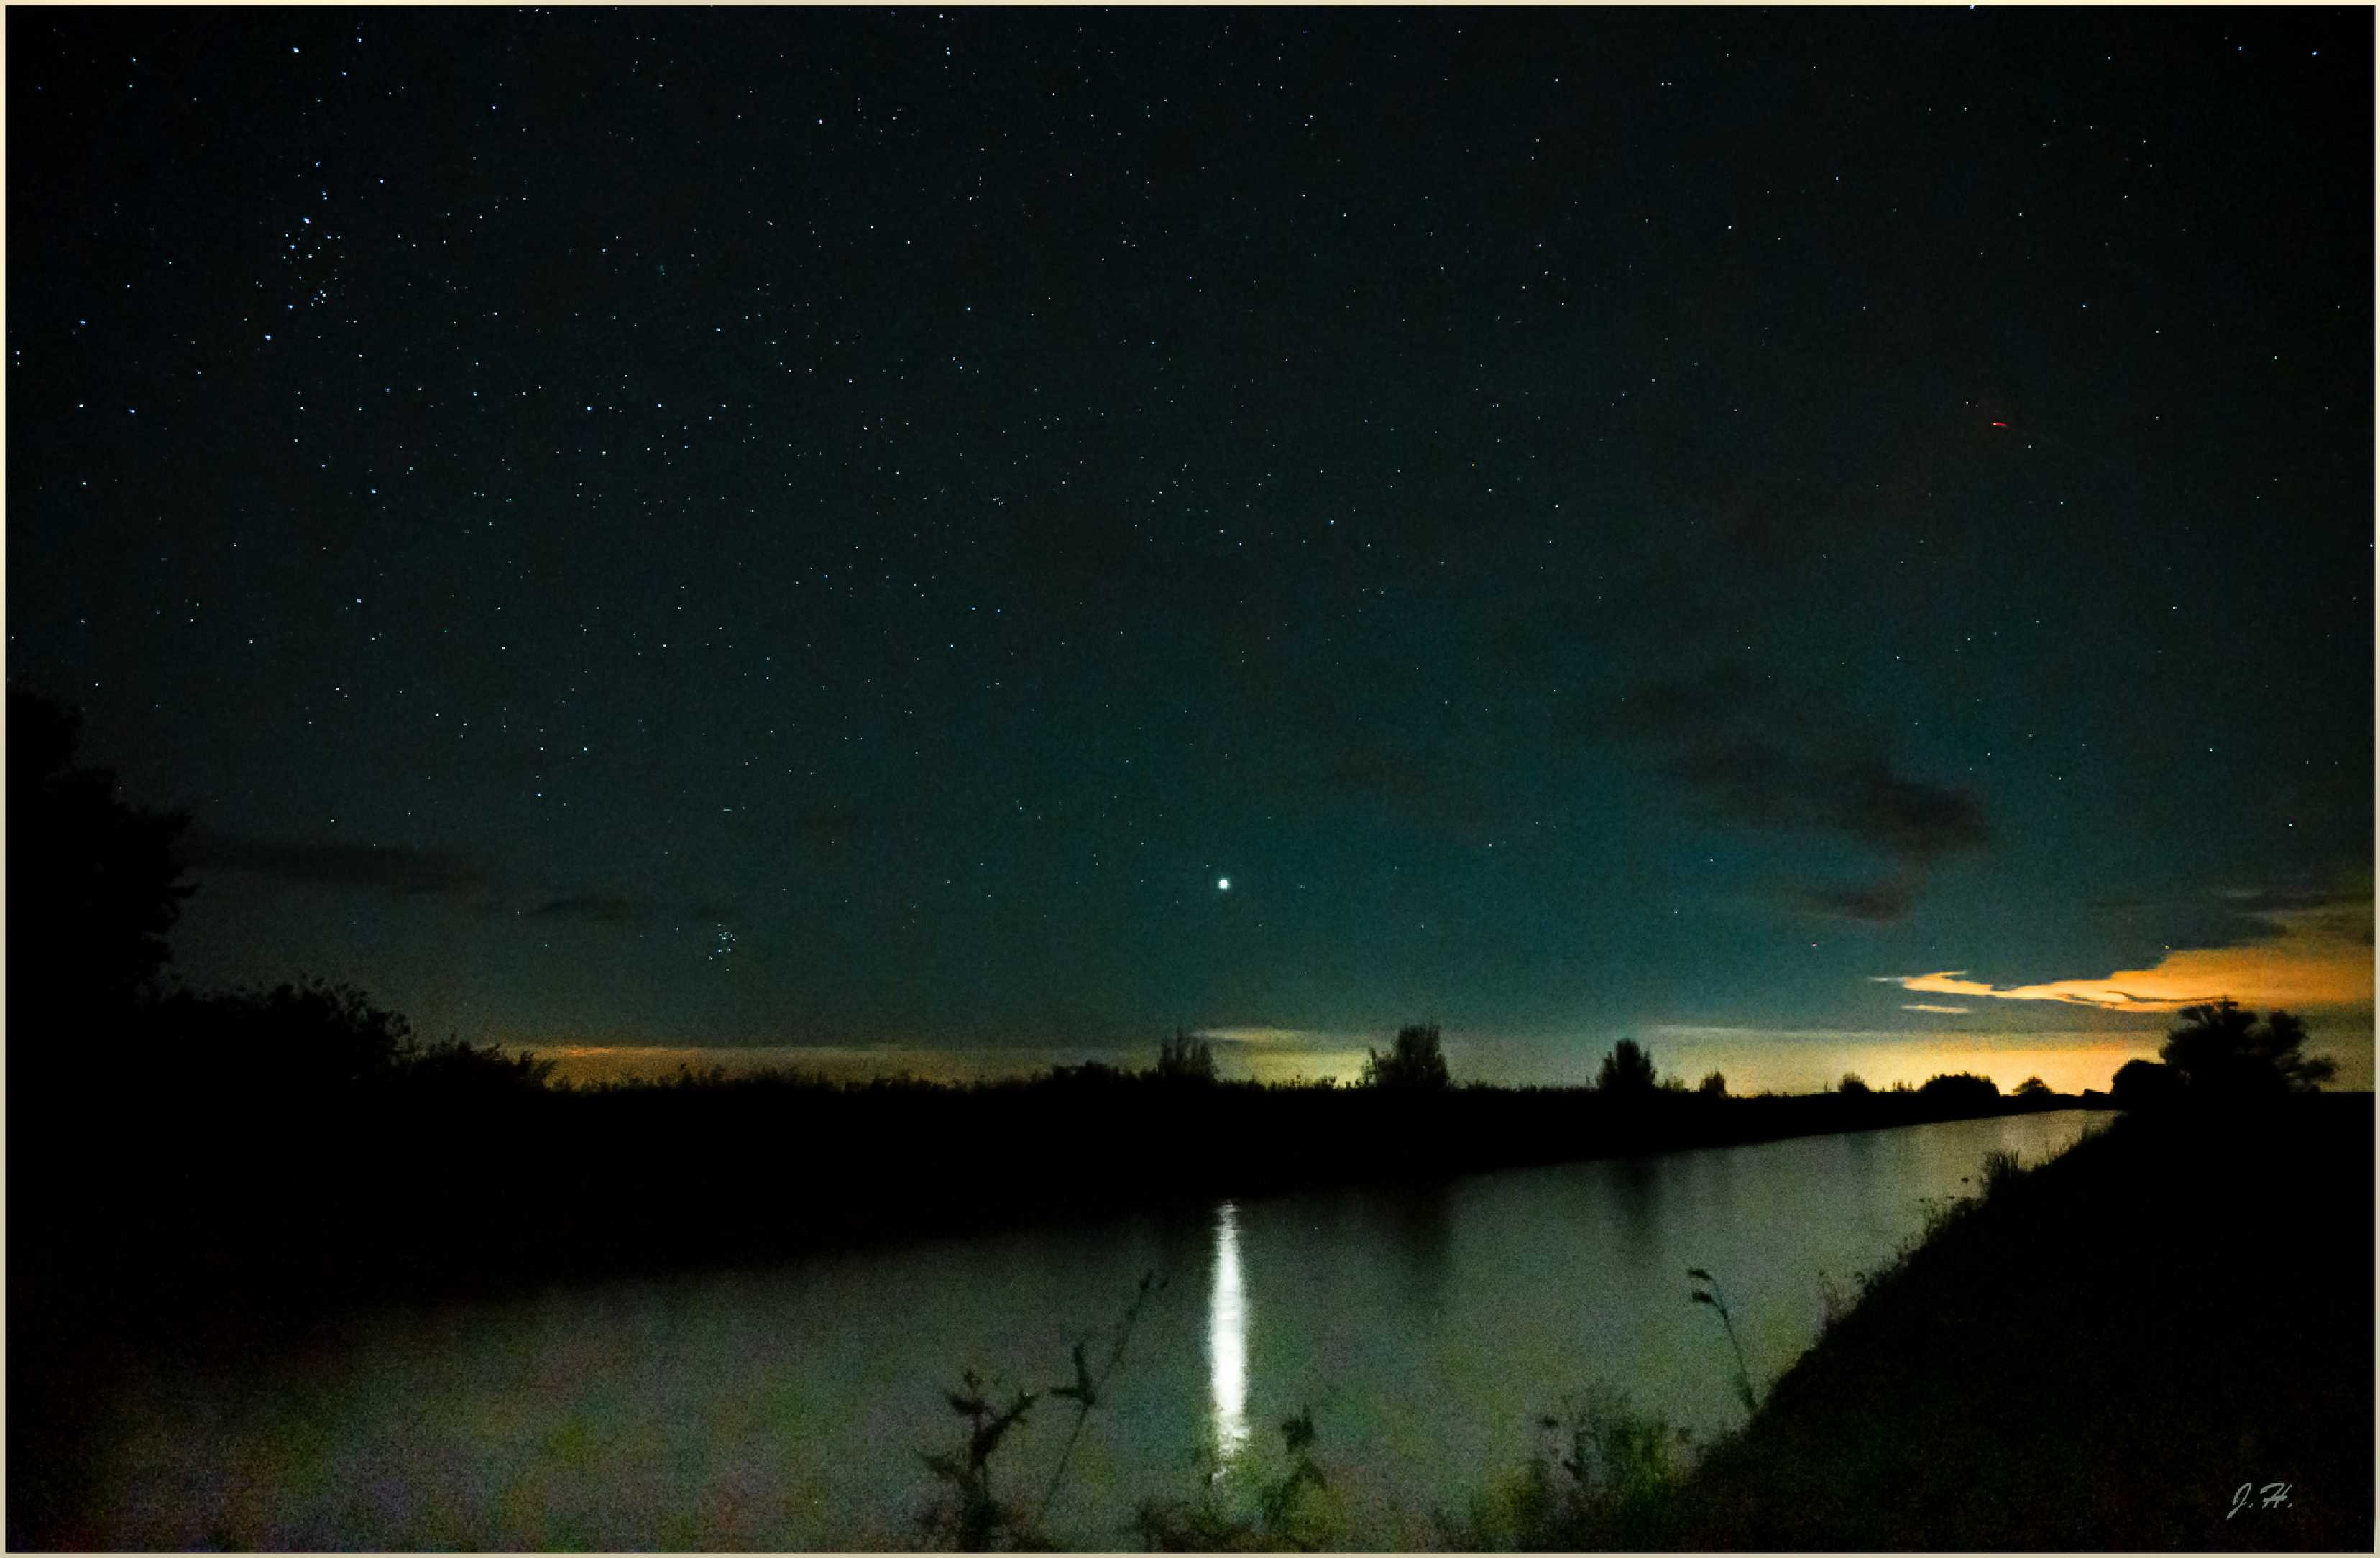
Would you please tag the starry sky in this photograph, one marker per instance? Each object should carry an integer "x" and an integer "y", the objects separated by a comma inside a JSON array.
[{"x": 1791, "y": 535}]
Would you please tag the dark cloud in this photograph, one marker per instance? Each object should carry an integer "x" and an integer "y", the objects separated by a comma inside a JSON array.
[
  {"x": 599, "y": 909},
  {"x": 1904, "y": 817},
  {"x": 1765, "y": 758},
  {"x": 1879, "y": 904},
  {"x": 2239, "y": 916},
  {"x": 2276, "y": 900},
  {"x": 395, "y": 867}
]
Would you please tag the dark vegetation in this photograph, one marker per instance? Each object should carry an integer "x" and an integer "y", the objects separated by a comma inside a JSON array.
[
  {"x": 1626, "y": 1072},
  {"x": 1417, "y": 1063},
  {"x": 2221, "y": 1056},
  {"x": 1606, "y": 1478},
  {"x": 968, "y": 1513},
  {"x": 2096, "y": 1354}
]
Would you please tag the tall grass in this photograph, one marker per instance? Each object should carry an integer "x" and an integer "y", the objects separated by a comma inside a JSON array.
[
  {"x": 1718, "y": 1300},
  {"x": 1605, "y": 1477},
  {"x": 1294, "y": 1509}
]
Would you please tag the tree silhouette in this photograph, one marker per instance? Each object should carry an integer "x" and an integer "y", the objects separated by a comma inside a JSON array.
[
  {"x": 1714, "y": 1085},
  {"x": 2145, "y": 1084},
  {"x": 1184, "y": 1058},
  {"x": 2224, "y": 1054},
  {"x": 1853, "y": 1085},
  {"x": 1627, "y": 1068},
  {"x": 1418, "y": 1063},
  {"x": 2032, "y": 1087},
  {"x": 93, "y": 886}
]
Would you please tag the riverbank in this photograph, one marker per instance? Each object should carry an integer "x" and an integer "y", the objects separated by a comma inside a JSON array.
[
  {"x": 2100, "y": 1355},
  {"x": 200, "y": 1230}
]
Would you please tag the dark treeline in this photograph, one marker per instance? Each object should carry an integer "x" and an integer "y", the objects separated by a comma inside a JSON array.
[{"x": 299, "y": 1145}]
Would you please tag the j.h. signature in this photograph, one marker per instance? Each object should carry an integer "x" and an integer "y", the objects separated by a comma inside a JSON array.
[{"x": 2275, "y": 1495}]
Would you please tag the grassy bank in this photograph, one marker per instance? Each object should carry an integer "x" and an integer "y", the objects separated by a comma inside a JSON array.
[{"x": 2099, "y": 1355}]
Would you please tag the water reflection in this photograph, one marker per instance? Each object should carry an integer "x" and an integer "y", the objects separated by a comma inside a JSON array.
[
  {"x": 1635, "y": 1186},
  {"x": 1422, "y": 1224},
  {"x": 1227, "y": 1336}
]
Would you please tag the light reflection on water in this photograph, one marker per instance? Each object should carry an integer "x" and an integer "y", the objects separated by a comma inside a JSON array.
[
  {"x": 1227, "y": 1337},
  {"x": 788, "y": 1406}
]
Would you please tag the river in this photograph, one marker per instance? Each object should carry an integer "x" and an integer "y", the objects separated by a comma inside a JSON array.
[{"x": 1426, "y": 1329}]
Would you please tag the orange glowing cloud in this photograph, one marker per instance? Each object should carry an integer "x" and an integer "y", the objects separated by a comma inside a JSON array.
[{"x": 2320, "y": 956}]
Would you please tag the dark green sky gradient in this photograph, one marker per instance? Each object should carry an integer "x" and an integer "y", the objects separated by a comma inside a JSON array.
[{"x": 929, "y": 495}]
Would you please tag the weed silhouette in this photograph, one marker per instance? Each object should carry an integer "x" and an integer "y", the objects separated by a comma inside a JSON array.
[
  {"x": 1718, "y": 1301},
  {"x": 1292, "y": 1512},
  {"x": 967, "y": 1515},
  {"x": 1086, "y": 1391}
]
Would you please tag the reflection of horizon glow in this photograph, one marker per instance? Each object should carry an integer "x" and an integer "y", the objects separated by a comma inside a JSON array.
[{"x": 1227, "y": 1336}]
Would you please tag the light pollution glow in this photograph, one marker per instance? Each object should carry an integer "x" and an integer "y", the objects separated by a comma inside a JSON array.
[
  {"x": 2321, "y": 958},
  {"x": 1753, "y": 1059},
  {"x": 2317, "y": 963}
]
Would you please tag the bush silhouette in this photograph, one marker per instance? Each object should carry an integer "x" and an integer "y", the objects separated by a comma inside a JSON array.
[
  {"x": 1960, "y": 1090},
  {"x": 303, "y": 1046},
  {"x": 1714, "y": 1085},
  {"x": 1627, "y": 1068},
  {"x": 455, "y": 1072},
  {"x": 310, "y": 1044},
  {"x": 1418, "y": 1063},
  {"x": 2223, "y": 1055},
  {"x": 1853, "y": 1085}
]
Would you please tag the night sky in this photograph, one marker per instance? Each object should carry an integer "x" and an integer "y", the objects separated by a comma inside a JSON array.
[{"x": 1773, "y": 534}]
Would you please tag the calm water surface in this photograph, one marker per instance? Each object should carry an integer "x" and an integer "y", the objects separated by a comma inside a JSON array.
[{"x": 787, "y": 1408}]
